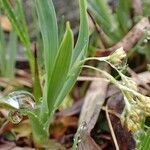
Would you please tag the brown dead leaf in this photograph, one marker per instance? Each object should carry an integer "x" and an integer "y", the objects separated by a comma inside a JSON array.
[
  {"x": 12, "y": 146},
  {"x": 22, "y": 148},
  {"x": 87, "y": 143},
  {"x": 93, "y": 102},
  {"x": 53, "y": 145},
  {"x": 22, "y": 130},
  {"x": 142, "y": 79},
  {"x": 58, "y": 131},
  {"x": 73, "y": 110},
  {"x": 69, "y": 121},
  {"x": 7, "y": 146},
  {"x": 60, "y": 126},
  {"x": 5, "y": 23}
]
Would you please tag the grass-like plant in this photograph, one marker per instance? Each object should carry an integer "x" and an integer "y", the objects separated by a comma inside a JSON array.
[
  {"x": 114, "y": 25},
  {"x": 62, "y": 64},
  {"x": 8, "y": 54},
  {"x": 116, "y": 20},
  {"x": 17, "y": 19}
]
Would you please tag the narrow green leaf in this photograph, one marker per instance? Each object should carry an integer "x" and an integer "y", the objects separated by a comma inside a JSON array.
[
  {"x": 64, "y": 67},
  {"x": 12, "y": 52},
  {"x": 78, "y": 54},
  {"x": 11, "y": 15},
  {"x": 144, "y": 141},
  {"x": 123, "y": 10},
  {"x": 2, "y": 53},
  {"x": 71, "y": 79},
  {"x": 61, "y": 68},
  {"x": 20, "y": 13},
  {"x": 20, "y": 30},
  {"x": 37, "y": 90},
  {"x": 105, "y": 19},
  {"x": 83, "y": 32},
  {"x": 49, "y": 30},
  {"x": 103, "y": 9}
]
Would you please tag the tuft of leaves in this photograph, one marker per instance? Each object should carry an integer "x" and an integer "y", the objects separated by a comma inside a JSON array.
[{"x": 62, "y": 63}]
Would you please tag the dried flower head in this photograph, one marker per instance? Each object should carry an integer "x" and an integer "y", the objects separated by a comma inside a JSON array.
[
  {"x": 117, "y": 57},
  {"x": 136, "y": 110},
  {"x": 128, "y": 82},
  {"x": 144, "y": 103},
  {"x": 134, "y": 118}
]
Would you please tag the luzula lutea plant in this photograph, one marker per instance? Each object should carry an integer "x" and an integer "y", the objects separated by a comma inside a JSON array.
[{"x": 137, "y": 106}]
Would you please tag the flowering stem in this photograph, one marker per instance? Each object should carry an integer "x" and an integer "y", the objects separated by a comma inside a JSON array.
[
  {"x": 107, "y": 75},
  {"x": 114, "y": 81},
  {"x": 97, "y": 58}
]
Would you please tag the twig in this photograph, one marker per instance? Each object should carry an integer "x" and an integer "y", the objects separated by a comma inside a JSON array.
[
  {"x": 111, "y": 129},
  {"x": 133, "y": 36},
  {"x": 111, "y": 112}
]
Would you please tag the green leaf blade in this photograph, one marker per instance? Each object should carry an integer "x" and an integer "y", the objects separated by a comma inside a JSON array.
[
  {"x": 123, "y": 15},
  {"x": 144, "y": 140},
  {"x": 79, "y": 54},
  {"x": 11, "y": 61},
  {"x": 83, "y": 37},
  {"x": 49, "y": 31},
  {"x": 105, "y": 18},
  {"x": 2, "y": 53},
  {"x": 20, "y": 29},
  {"x": 61, "y": 67}
]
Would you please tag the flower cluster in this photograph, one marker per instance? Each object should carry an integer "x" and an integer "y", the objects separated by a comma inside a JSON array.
[
  {"x": 117, "y": 57},
  {"x": 137, "y": 105}
]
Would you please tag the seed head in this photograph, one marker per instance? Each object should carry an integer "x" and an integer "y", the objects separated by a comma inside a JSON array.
[
  {"x": 128, "y": 82},
  {"x": 134, "y": 118},
  {"x": 117, "y": 57},
  {"x": 144, "y": 104}
]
